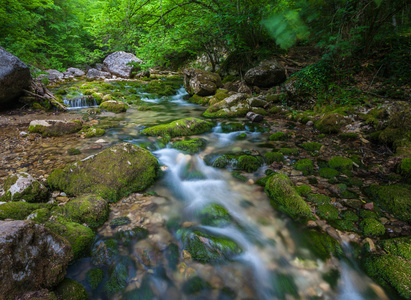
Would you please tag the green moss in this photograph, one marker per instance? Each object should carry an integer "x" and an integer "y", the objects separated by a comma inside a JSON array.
[
  {"x": 182, "y": 127},
  {"x": 331, "y": 123},
  {"x": 322, "y": 244},
  {"x": 89, "y": 209},
  {"x": 285, "y": 286},
  {"x": 275, "y": 98},
  {"x": 390, "y": 271},
  {"x": 327, "y": 212},
  {"x": 136, "y": 234},
  {"x": 214, "y": 215},
  {"x": 113, "y": 173},
  {"x": 71, "y": 289},
  {"x": 92, "y": 132},
  {"x": 199, "y": 100},
  {"x": 229, "y": 78},
  {"x": 104, "y": 252},
  {"x": 372, "y": 227},
  {"x": 19, "y": 210},
  {"x": 94, "y": 277},
  {"x": 260, "y": 111},
  {"x": 226, "y": 113},
  {"x": 341, "y": 164},
  {"x": 278, "y": 136},
  {"x": 117, "y": 280},
  {"x": 191, "y": 146},
  {"x": 114, "y": 106},
  {"x": 271, "y": 157},
  {"x": 284, "y": 197},
  {"x": 318, "y": 198},
  {"x": 237, "y": 175},
  {"x": 33, "y": 192},
  {"x": 195, "y": 285},
  {"x": 249, "y": 163},
  {"x": 207, "y": 248},
  {"x": 405, "y": 168},
  {"x": 120, "y": 221},
  {"x": 349, "y": 215},
  {"x": 328, "y": 173},
  {"x": 73, "y": 151},
  {"x": 396, "y": 199},
  {"x": 79, "y": 236},
  {"x": 365, "y": 214},
  {"x": 303, "y": 190},
  {"x": 231, "y": 127},
  {"x": 304, "y": 165},
  {"x": 161, "y": 88},
  {"x": 40, "y": 215},
  {"x": 312, "y": 146},
  {"x": 348, "y": 136},
  {"x": 241, "y": 136},
  {"x": 398, "y": 246},
  {"x": 289, "y": 151},
  {"x": 344, "y": 225}
]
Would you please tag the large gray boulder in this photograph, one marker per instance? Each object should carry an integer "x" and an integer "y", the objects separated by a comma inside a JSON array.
[
  {"x": 268, "y": 73},
  {"x": 117, "y": 64},
  {"x": 14, "y": 77},
  {"x": 31, "y": 258},
  {"x": 201, "y": 83},
  {"x": 53, "y": 75},
  {"x": 73, "y": 72}
]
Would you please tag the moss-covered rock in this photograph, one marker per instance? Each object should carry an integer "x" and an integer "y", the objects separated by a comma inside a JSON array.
[
  {"x": 94, "y": 277},
  {"x": 278, "y": 136},
  {"x": 71, "y": 289},
  {"x": 398, "y": 246},
  {"x": 80, "y": 237},
  {"x": 327, "y": 212},
  {"x": 86, "y": 209},
  {"x": 231, "y": 127},
  {"x": 195, "y": 285},
  {"x": 120, "y": 221},
  {"x": 201, "y": 82},
  {"x": 271, "y": 157},
  {"x": 249, "y": 163},
  {"x": 19, "y": 210},
  {"x": 126, "y": 236},
  {"x": 55, "y": 127},
  {"x": 303, "y": 190},
  {"x": 341, "y": 164},
  {"x": 405, "y": 169},
  {"x": 305, "y": 165},
  {"x": 92, "y": 132},
  {"x": 234, "y": 106},
  {"x": 182, "y": 127},
  {"x": 114, "y": 106},
  {"x": 312, "y": 147},
  {"x": 331, "y": 123},
  {"x": 113, "y": 173},
  {"x": 328, "y": 173},
  {"x": 117, "y": 280},
  {"x": 289, "y": 151},
  {"x": 199, "y": 100},
  {"x": 284, "y": 197},
  {"x": 390, "y": 270},
  {"x": 40, "y": 215},
  {"x": 214, "y": 215},
  {"x": 396, "y": 199},
  {"x": 372, "y": 227},
  {"x": 207, "y": 248},
  {"x": 104, "y": 252},
  {"x": 350, "y": 216},
  {"x": 191, "y": 146},
  {"x": 318, "y": 198},
  {"x": 22, "y": 186},
  {"x": 321, "y": 244}
]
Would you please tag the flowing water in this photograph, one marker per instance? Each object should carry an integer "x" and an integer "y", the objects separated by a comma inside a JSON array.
[{"x": 276, "y": 261}]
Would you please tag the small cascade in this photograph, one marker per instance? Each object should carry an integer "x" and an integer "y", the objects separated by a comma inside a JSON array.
[{"x": 83, "y": 102}]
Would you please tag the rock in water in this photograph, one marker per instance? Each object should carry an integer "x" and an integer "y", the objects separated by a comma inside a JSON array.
[
  {"x": 117, "y": 63},
  {"x": 55, "y": 127},
  {"x": 201, "y": 83},
  {"x": 32, "y": 257},
  {"x": 253, "y": 117},
  {"x": 267, "y": 74},
  {"x": 22, "y": 186},
  {"x": 14, "y": 77},
  {"x": 113, "y": 173}
]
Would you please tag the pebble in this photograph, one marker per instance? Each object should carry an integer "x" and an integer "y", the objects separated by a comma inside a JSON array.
[
  {"x": 23, "y": 134},
  {"x": 186, "y": 255},
  {"x": 55, "y": 194},
  {"x": 62, "y": 194},
  {"x": 310, "y": 123},
  {"x": 100, "y": 141}
]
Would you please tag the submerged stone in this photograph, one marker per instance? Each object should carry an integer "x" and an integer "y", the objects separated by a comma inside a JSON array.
[
  {"x": 207, "y": 248},
  {"x": 182, "y": 127},
  {"x": 190, "y": 146},
  {"x": 94, "y": 277},
  {"x": 71, "y": 289},
  {"x": 114, "y": 106},
  {"x": 214, "y": 215},
  {"x": 22, "y": 186},
  {"x": 113, "y": 173},
  {"x": 284, "y": 197}
]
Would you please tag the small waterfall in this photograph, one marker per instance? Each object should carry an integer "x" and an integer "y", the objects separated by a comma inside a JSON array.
[{"x": 82, "y": 102}]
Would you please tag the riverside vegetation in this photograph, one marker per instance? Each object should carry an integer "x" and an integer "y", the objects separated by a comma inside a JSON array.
[{"x": 224, "y": 165}]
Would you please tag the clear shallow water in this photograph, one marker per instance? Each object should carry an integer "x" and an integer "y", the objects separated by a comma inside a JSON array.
[{"x": 276, "y": 262}]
